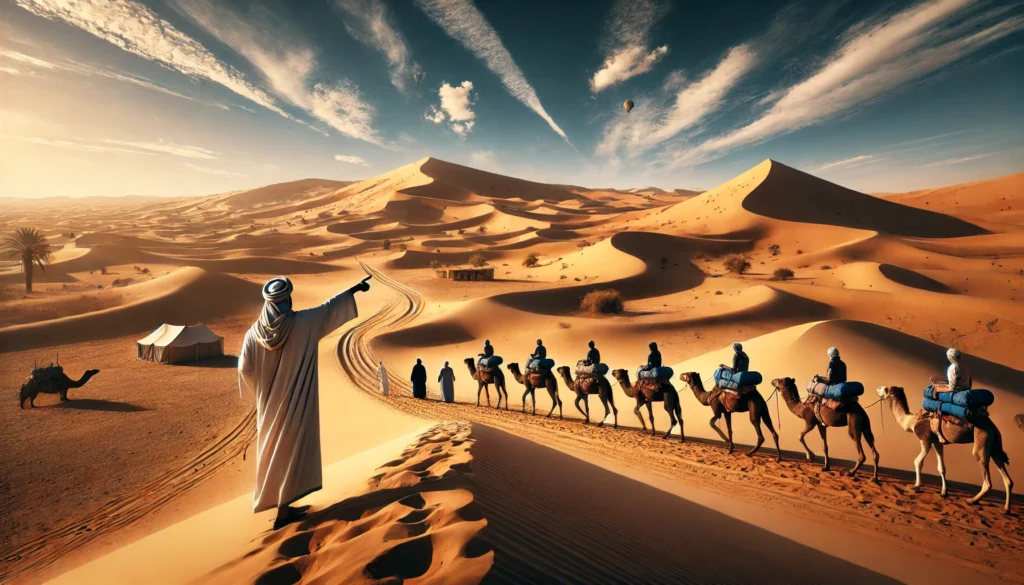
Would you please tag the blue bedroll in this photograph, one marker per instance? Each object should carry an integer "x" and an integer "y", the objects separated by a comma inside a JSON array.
[
  {"x": 601, "y": 369},
  {"x": 746, "y": 378},
  {"x": 662, "y": 373},
  {"x": 541, "y": 365},
  {"x": 843, "y": 391},
  {"x": 724, "y": 379},
  {"x": 491, "y": 362},
  {"x": 945, "y": 408},
  {"x": 965, "y": 398}
]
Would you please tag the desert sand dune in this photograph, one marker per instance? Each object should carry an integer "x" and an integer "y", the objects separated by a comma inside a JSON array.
[{"x": 996, "y": 200}]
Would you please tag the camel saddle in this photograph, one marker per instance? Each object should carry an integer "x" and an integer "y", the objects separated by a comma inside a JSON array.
[
  {"x": 816, "y": 403},
  {"x": 650, "y": 388},
  {"x": 731, "y": 400},
  {"x": 47, "y": 374}
]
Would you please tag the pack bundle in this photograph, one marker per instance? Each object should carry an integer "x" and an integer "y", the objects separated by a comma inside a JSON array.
[
  {"x": 46, "y": 374},
  {"x": 962, "y": 404},
  {"x": 726, "y": 379},
  {"x": 583, "y": 369},
  {"x": 490, "y": 363},
  {"x": 841, "y": 392},
  {"x": 659, "y": 373},
  {"x": 543, "y": 365}
]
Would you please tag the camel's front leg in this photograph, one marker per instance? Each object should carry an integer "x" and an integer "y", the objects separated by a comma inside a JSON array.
[
  {"x": 650, "y": 415},
  {"x": 855, "y": 434},
  {"x": 728, "y": 428},
  {"x": 926, "y": 446},
  {"x": 604, "y": 402},
  {"x": 636, "y": 411},
  {"x": 1007, "y": 483},
  {"x": 982, "y": 455},
  {"x": 479, "y": 389},
  {"x": 586, "y": 419},
  {"x": 823, "y": 431},
  {"x": 755, "y": 419},
  {"x": 941, "y": 456},
  {"x": 808, "y": 428},
  {"x": 714, "y": 427}
]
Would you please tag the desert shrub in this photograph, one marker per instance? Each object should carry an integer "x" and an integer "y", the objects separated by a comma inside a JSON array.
[
  {"x": 798, "y": 252},
  {"x": 564, "y": 325},
  {"x": 826, "y": 267},
  {"x": 562, "y": 277},
  {"x": 435, "y": 264},
  {"x": 565, "y": 265},
  {"x": 103, "y": 270},
  {"x": 461, "y": 231},
  {"x": 775, "y": 249},
  {"x": 531, "y": 260},
  {"x": 736, "y": 263},
  {"x": 583, "y": 244},
  {"x": 606, "y": 301},
  {"x": 482, "y": 229},
  {"x": 478, "y": 260},
  {"x": 387, "y": 244},
  {"x": 343, "y": 212},
  {"x": 403, "y": 247},
  {"x": 700, "y": 255},
  {"x": 122, "y": 281},
  {"x": 324, "y": 214},
  {"x": 782, "y": 274}
]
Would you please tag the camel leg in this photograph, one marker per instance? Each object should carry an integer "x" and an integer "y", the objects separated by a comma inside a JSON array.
[
  {"x": 855, "y": 434},
  {"x": 671, "y": 421},
  {"x": 1007, "y": 484},
  {"x": 555, "y": 403},
  {"x": 636, "y": 411},
  {"x": 505, "y": 391},
  {"x": 728, "y": 427},
  {"x": 650, "y": 414},
  {"x": 487, "y": 392},
  {"x": 982, "y": 455},
  {"x": 755, "y": 419},
  {"x": 941, "y": 456},
  {"x": 556, "y": 397},
  {"x": 822, "y": 430},
  {"x": 586, "y": 415},
  {"x": 809, "y": 426},
  {"x": 926, "y": 446},
  {"x": 604, "y": 403},
  {"x": 714, "y": 427},
  {"x": 615, "y": 411},
  {"x": 479, "y": 389},
  {"x": 767, "y": 420},
  {"x": 682, "y": 423}
]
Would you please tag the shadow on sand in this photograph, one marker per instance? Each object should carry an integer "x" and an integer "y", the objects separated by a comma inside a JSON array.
[
  {"x": 100, "y": 405},
  {"x": 224, "y": 361}
]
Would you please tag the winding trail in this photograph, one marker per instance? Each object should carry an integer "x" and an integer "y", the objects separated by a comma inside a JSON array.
[{"x": 981, "y": 537}]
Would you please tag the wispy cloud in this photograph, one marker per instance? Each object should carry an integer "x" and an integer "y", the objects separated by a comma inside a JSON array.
[
  {"x": 10, "y": 70},
  {"x": 848, "y": 163},
  {"x": 627, "y": 42},
  {"x": 135, "y": 28},
  {"x": 83, "y": 146},
  {"x": 369, "y": 23},
  {"x": 352, "y": 160},
  {"x": 213, "y": 171},
  {"x": 485, "y": 160},
  {"x": 26, "y": 59},
  {"x": 456, "y": 107},
  {"x": 461, "y": 20},
  {"x": 288, "y": 64},
  {"x": 875, "y": 57},
  {"x": 956, "y": 161},
  {"x": 170, "y": 148}
]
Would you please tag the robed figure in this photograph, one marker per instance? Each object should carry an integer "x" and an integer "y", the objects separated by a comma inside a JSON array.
[
  {"x": 419, "y": 380},
  {"x": 278, "y": 365}
]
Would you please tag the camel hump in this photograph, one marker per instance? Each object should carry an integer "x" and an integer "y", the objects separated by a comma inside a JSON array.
[{"x": 47, "y": 374}]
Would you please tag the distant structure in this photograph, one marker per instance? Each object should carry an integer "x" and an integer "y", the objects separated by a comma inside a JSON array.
[{"x": 467, "y": 274}]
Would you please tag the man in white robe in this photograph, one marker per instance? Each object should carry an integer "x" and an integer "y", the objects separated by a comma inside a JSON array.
[
  {"x": 278, "y": 365},
  {"x": 382, "y": 374}
]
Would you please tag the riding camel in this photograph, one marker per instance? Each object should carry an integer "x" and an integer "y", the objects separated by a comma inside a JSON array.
[
  {"x": 821, "y": 417},
  {"x": 587, "y": 385},
  {"x": 750, "y": 401},
  {"x": 534, "y": 380},
  {"x": 648, "y": 392},
  {"x": 934, "y": 431},
  {"x": 59, "y": 386},
  {"x": 483, "y": 381}
]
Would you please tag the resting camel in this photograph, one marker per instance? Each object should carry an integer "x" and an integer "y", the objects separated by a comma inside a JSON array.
[
  {"x": 852, "y": 416},
  {"x": 535, "y": 380},
  {"x": 647, "y": 393},
  {"x": 587, "y": 385},
  {"x": 483, "y": 381},
  {"x": 59, "y": 386},
  {"x": 751, "y": 402},
  {"x": 988, "y": 442}
]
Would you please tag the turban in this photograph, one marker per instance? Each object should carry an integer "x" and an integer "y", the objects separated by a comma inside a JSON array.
[
  {"x": 953, "y": 355},
  {"x": 833, "y": 352},
  {"x": 271, "y": 329}
]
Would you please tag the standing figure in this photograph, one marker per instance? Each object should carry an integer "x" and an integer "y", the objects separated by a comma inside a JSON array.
[
  {"x": 382, "y": 374},
  {"x": 419, "y": 380},
  {"x": 447, "y": 381},
  {"x": 278, "y": 365}
]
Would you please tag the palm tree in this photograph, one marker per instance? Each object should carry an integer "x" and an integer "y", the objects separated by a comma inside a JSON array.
[{"x": 30, "y": 245}]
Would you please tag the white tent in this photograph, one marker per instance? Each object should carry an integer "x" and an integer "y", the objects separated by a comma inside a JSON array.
[{"x": 174, "y": 344}]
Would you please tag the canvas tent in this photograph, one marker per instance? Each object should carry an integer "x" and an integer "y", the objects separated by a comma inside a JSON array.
[{"x": 175, "y": 344}]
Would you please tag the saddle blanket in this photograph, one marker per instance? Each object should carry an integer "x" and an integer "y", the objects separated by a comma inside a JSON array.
[
  {"x": 726, "y": 379},
  {"x": 662, "y": 373},
  {"x": 946, "y": 408},
  {"x": 964, "y": 398},
  {"x": 822, "y": 402},
  {"x": 730, "y": 399},
  {"x": 491, "y": 362}
]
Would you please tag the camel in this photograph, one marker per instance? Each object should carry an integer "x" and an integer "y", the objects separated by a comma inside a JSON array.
[
  {"x": 751, "y": 402},
  {"x": 987, "y": 440},
  {"x": 483, "y": 381},
  {"x": 666, "y": 393},
  {"x": 59, "y": 386},
  {"x": 584, "y": 387},
  {"x": 534, "y": 380},
  {"x": 853, "y": 416}
]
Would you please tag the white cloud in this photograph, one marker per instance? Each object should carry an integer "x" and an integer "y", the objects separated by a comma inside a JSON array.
[
  {"x": 10, "y": 70},
  {"x": 626, "y": 43},
  {"x": 352, "y": 160},
  {"x": 485, "y": 160},
  {"x": 213, "y": 171},
  {"x": 456, "y": 107},
  {"x": 461, "y": 20},
  {"x": 26, "y": 59},
  {"x": 75, "y": 145},
  {"x": 956, "y": 161},
  {"x": 652, "y": 125},
  {"x": 874, "y": 59},
  {"x": 171, "y": 148},
  {"x": 288, "y": 64},
  {"x": 851, "y": 162},
  {"x": 368, "y": 22},
  {"x": 135, "y": 28}
]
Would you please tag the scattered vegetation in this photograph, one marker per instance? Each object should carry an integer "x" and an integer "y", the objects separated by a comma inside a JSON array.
[
  {"x": 435, "y": 264},
  {"x": 565, "y": 325},
  {"x": 775, "y": 249},
  {"x": 531, "y": 260},
  {"x": 122, "y": 281},
  {"x": 583, "y": 244},
  {"x": 30, "y": 247},
  {"x": 387, "y": 245},
  {"x": 736, "y": 264},
  {"x": 478, "y": 260},
  {"x": 565, "y": 265},
  {"x": 605, "y": 302},
  {"x": 782, "y": 274},
  {"x": 461, "y": 231},
  {"x": 324, "y": 214},
  {"x": 482, "y": 229},
  {"x": 700, "y": 255},
  {"x": 798, "y": 252},
  {"x": 103, "y": 270},
  {"x": 826, "y": 267}
]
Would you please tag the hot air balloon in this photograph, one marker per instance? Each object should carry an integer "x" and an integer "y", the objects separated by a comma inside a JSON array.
[
  {"x": 417, "y": 77},
  {"x": 628, "y": 104}
]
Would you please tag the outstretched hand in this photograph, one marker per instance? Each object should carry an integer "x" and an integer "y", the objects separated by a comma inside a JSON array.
[{"x": 362, "y": 286}]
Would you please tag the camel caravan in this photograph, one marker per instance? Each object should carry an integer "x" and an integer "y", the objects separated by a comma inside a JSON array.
[{"x": 952, "y": 411}]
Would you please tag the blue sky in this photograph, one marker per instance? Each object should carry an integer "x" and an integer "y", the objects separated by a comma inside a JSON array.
[{"x": 181, "y": 97}]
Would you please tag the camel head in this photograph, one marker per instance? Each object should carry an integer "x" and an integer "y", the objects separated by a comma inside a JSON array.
[
  {"x": 621, "y": 375},
  {"x": 690, "y": 378},
  {"x": 92, "y": 372},
  {"x": 886, "y": 392},
  {"x": 564, "y": 371},
  {"x": 782, "y": 383},
  {"x": 514, "y": 368},
  {"x": 470, "y": 362}
]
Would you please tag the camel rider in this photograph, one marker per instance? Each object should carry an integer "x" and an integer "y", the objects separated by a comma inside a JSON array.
[
  {"x": 539, "y": 353},
  {"x": 740, "y": 361},
  {"x": 836, "y": 373},
  {"x": 488, "y": 352},
  {"x": 653, "y": 358},
  {"x": 958, "y": 375},
  {"x": 593, "y": 356}
]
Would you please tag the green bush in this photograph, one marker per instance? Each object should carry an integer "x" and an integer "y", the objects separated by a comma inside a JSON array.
[{"x": 782, "y": 274}]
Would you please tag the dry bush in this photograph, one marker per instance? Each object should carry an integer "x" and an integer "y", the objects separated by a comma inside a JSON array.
[
  {"x": 700, "y": 255},
  {"x": 477, "y": 260},
  {"x": 435, "y": 264},
  {"x": 775, "y": 249},
  {"x": 606, "y": 301},
  {"x": 782, "y": 274},
  {"x": 737, "y": 264},
  {"x": 531, "y": 260},
  {"x": 387, "y": 244},
  {"x": 826, "y": 267}
]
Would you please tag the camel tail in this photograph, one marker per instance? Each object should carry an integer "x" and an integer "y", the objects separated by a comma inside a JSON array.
[
  {"x": 869, "y": 436},
  {"x": 998, "y": 454}
]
